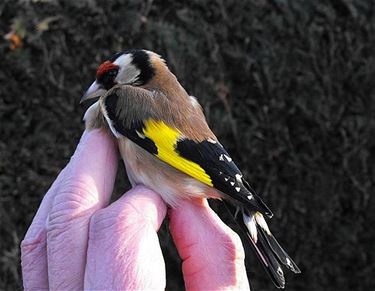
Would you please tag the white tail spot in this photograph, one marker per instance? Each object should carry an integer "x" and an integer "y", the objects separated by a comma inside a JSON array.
[
  {"x": 280, "y": 271},
  {"x": 262, "y": 223},
  {"x": 251, "y": 226},
  {"x": 239, "y": 178},
  {"x": 288, "y": 262},
  {"x": 229, "y": 159}
]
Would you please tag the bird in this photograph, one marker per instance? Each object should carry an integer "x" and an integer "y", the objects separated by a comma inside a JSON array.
[{"x": 167, "y": 146}]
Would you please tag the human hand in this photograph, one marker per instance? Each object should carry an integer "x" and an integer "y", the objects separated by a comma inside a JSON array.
[{"x": 76, "y": 241}]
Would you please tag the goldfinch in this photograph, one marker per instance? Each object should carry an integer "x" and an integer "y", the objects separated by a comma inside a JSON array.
[{"x": 167, "y": 146}]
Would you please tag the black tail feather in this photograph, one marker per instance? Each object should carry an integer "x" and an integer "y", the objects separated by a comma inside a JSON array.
[
  {"x": 279, "y": 251},
  {"x": 268, "y": 250},
  {"x": 270, "y": 262}
]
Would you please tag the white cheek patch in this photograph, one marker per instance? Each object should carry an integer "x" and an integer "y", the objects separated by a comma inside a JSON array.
[{"x": 128, "y": 73}]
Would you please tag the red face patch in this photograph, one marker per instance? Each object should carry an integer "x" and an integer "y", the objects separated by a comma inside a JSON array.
[{"x": 104, "y": 68}]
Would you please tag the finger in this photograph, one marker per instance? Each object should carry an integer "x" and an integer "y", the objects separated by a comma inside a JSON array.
[
  {"x": 87, "y": 186},
  {"x": 212, "y": 254},
  {"x": 124, "y": 251},
  {"x": 34, "y": 245}
]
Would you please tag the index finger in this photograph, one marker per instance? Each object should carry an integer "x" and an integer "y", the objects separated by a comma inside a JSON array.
[{"x": 63, "y": 217}]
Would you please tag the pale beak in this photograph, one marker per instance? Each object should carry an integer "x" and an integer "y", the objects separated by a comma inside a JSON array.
[{"x": 94, "y": 91}]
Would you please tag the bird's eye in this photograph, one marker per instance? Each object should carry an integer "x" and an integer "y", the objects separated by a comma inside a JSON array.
[
  {"x": 112, "y": 73},
  {"x": 109, "y": 76},
  {"x": 107, "y": 79}
]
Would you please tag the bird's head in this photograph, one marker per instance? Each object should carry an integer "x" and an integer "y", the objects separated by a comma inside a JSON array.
[{"x": 132, "y": 67}]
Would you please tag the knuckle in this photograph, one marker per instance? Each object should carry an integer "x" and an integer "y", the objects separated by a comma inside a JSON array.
[
  {"x": 75, "y": 200},
  {"x": 34, "y": 238},
  {"x": 32, "y": 248},
  {"x": 80, "y": 190}
]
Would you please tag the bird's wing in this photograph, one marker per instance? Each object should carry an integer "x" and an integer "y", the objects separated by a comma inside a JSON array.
[{"x": 206, "y": 161}]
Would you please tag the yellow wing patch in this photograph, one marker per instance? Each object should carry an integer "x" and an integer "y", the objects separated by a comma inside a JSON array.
[{"x": 165, "y": 139}]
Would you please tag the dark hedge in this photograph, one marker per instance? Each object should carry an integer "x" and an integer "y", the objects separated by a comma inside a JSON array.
[{"x": 288, "y": 86}]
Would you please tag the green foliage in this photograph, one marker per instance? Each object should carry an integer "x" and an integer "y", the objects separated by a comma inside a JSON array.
[{"x": 286, "y": 85}]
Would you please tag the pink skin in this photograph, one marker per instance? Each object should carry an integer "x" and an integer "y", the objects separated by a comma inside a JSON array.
[{"x": 76, "y": 241}]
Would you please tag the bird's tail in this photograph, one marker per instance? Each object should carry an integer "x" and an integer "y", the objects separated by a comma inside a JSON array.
[{"x": 268, "y": 250}]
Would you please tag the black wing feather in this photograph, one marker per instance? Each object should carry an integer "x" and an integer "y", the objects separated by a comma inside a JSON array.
[
  {"x": 216, "y": 162},
  {"x": 133, "y": 132}
]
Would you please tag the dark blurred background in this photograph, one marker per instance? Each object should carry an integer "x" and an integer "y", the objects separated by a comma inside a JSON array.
[{"x": 288, "y": 86}]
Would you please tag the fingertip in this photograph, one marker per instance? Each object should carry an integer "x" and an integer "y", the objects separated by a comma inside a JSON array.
[{"x": 212, "y": 253}]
